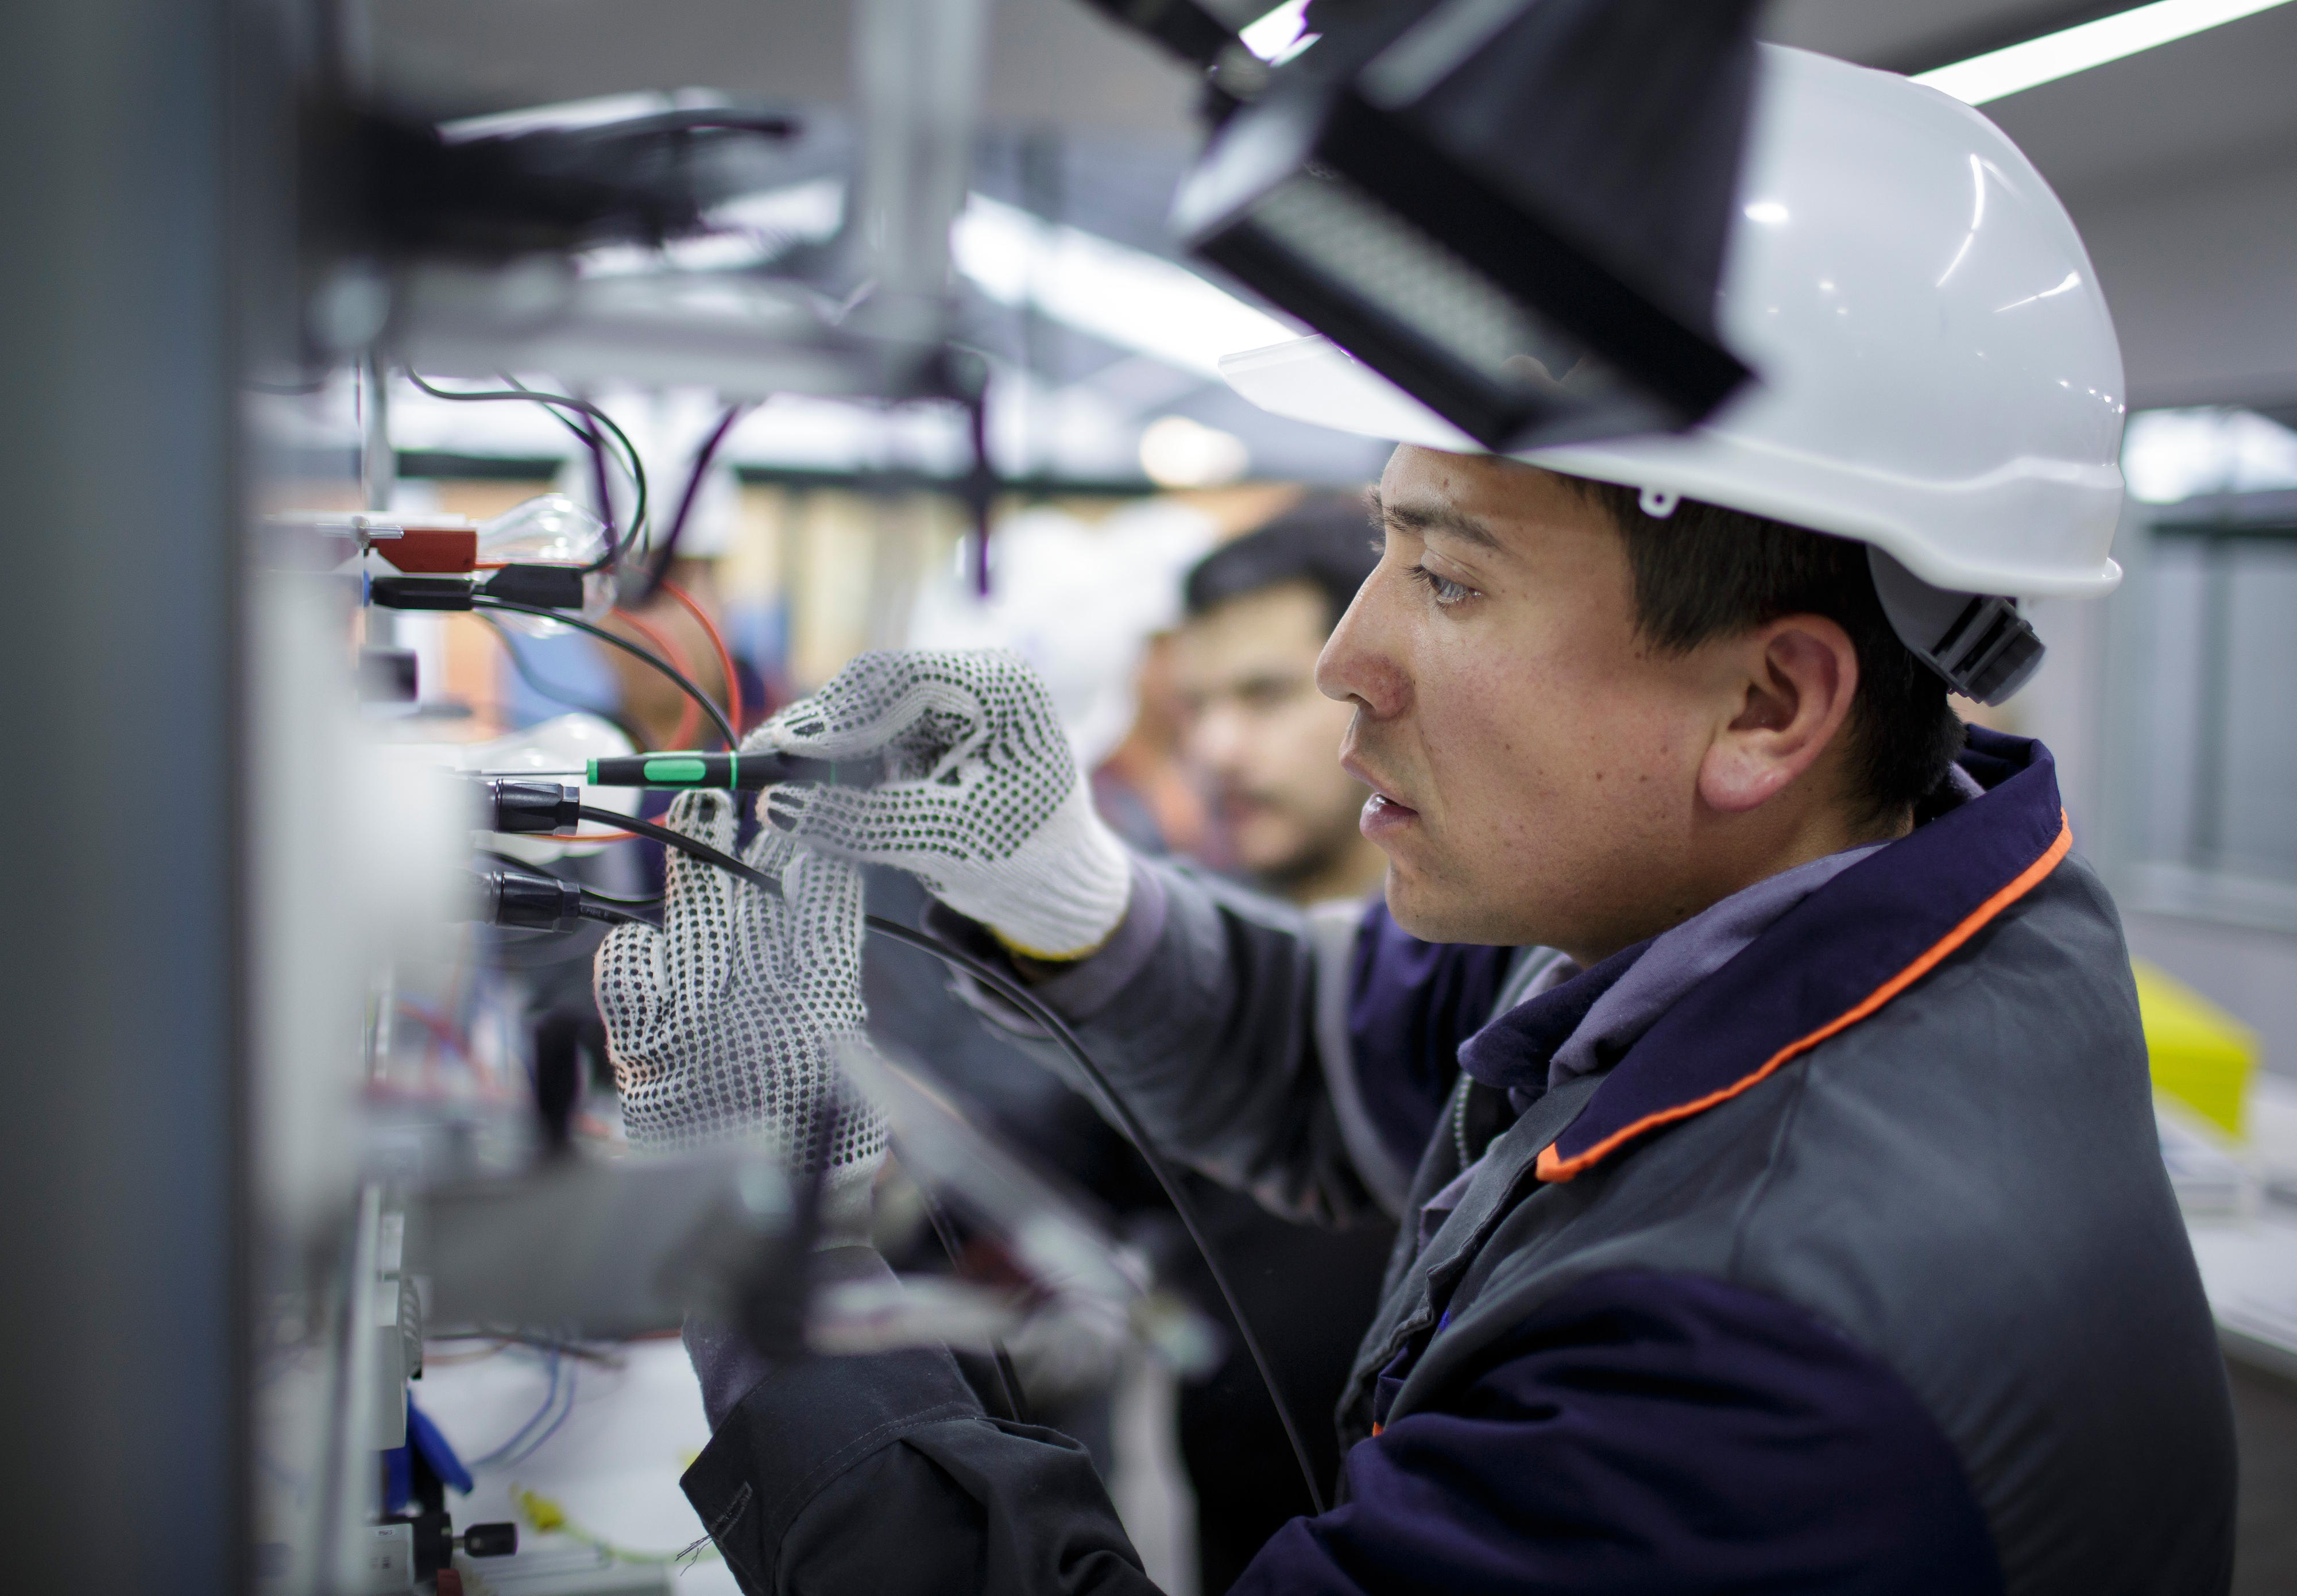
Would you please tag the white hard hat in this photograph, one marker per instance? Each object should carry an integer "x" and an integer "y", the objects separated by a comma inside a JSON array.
[{"x": 1936, "y": 373}]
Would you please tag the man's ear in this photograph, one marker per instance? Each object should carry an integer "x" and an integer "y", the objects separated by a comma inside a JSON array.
[{"x": 1797, "y": 678}]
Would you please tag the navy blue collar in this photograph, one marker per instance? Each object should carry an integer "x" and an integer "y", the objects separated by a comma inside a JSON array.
[
  {"x": 1512, "y": 1053},
  {"x": 1827, "y": 963}
]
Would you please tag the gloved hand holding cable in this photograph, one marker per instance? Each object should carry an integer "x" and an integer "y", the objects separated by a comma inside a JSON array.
[
  {"x": 981, "y": 799},
  {"x": 719, "y": 1023}
]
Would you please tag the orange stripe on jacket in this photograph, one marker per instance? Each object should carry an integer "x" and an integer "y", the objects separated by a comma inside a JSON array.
[{"x": 1554, "y": 1169}]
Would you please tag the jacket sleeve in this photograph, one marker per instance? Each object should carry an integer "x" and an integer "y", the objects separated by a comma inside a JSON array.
[
  {"x": 1649, "y": 1433},
  {"x": 883, "y": 1474},
  {"x": 1642, "y": 1434},
  {"x": 1303, "y": 1055}
]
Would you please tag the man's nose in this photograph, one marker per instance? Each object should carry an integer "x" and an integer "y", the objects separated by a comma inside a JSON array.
[{"x": 1359, "y": 664}]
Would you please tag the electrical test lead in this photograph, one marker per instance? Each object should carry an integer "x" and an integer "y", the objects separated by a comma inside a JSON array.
[
  {"x": 631, "y": 464},
  {"x": 685, "y": 683}
]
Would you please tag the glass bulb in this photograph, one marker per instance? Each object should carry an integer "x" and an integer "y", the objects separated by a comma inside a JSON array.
[{"x": 551, "y": 530}]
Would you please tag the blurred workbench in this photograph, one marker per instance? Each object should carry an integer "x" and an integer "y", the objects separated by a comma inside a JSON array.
[{"x": 600, "y": 1437}]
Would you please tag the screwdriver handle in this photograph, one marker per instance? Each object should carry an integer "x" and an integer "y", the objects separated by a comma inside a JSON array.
[{"x": 740, "y": 772}]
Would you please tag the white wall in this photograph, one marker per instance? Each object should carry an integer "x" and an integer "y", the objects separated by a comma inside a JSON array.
[{"x": 2097, "y": 663}]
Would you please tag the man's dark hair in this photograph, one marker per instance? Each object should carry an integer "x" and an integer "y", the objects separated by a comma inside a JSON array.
[
  {"x": 1705, "y": 571},
  {"x": 1324, "y": 540}
]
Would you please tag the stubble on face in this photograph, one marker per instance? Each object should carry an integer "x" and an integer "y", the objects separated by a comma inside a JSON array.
[{"x": 1536, "y": 758}]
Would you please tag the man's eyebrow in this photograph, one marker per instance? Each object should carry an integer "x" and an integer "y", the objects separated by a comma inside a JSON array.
[{"x": 1425, "y": 518}]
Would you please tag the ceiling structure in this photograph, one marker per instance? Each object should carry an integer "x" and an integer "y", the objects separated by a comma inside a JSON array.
[{"x": 2179, "y": 164}]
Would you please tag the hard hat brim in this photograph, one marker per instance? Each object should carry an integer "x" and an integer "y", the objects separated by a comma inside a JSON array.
[{"x": 1313, "y": 380}]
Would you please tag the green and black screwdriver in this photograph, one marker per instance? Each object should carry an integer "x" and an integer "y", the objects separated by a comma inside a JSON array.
[{"x": 734, "y": 772}]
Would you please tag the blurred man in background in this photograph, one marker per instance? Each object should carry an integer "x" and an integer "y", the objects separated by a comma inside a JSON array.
[{"x": 1259, "y": 609}]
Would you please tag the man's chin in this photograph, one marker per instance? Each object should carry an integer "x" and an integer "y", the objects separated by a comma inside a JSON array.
[{"x": 1437, "y": 911}]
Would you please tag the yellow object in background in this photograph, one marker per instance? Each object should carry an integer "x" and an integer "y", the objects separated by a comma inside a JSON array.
[{"x": 2199, "y": 1055}]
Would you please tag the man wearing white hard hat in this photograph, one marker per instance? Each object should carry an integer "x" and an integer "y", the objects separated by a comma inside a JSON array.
[{"x": 1754, "y": 1068}]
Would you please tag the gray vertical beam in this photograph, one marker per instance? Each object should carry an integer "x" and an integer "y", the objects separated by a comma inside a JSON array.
[
  {"x": 2205, "y": 851},
  {"x": 120, "y": 1409}
]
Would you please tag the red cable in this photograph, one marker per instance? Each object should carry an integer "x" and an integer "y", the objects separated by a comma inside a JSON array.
[
  {"x": 733, "y": 705},
  {"x": 689, "y": 715}
]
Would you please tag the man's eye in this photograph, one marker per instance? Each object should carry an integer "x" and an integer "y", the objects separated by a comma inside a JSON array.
[
  {"x": 1447, "y": 592},
  {"x": 1268, "y": 693}
]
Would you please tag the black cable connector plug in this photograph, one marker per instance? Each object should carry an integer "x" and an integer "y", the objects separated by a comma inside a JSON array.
[
  {"x": 531, "y": 808},
  {"x": 547, "y": 587},
  {"x": 532, "y": 902},
  {"x": 420, "y": 592},
  {"x": 536, "y": 587},
  {"x": 490, "y": 1540}
]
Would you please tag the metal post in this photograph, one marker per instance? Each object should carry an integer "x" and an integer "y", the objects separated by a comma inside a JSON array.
[
  {"x": 121, "y": 1398},
  {"x": 2206, "y": 849},
  {"x": 378, "y": 461}
]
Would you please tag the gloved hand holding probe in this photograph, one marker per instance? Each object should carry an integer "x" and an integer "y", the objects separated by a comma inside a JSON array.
[
  {"x": 720, "y": 1025},
  {"x": 982, "y": 799}
]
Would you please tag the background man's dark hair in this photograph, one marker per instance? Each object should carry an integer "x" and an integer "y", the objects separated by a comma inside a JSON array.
[
  {"x": 1706, "y": 571},
  {"x": 1324, "y": 540}
]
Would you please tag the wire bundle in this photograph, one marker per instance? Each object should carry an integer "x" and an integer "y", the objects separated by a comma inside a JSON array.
[{"x": 557, "y": 1403}]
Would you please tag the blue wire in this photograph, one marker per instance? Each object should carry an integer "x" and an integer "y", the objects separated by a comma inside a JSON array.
[
  {"x": 503, "y": 1453},
  {"x": 565, "y": 1413}
]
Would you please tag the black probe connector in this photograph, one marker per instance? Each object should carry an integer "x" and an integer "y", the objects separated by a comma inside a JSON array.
[
  {"x": 541, "y": 587},
  {"x": 544, "y": 808},
  {"x": 531, "y": 808},
  {"x": 534, "y": 901}
]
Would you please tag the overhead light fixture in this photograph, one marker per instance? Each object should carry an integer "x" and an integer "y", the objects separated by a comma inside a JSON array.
[
  {"x": 2071, "y": 50},
  {"x": 1121, "y": 296},
  {"x": 1176, "y": 452},
  {"x": 1514, "y": 211},
  {"x": 1281, "y": 35}
]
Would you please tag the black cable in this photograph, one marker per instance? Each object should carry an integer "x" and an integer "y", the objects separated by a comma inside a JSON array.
[
  {"x": 635, "y": 466},
  {"x": 1008, "y": 1378},
  {"x": 595, "y": 441},
  {"x": 618, "y": 544},
  {"x": 980, "y": 488},
  {"x": 659, "y": 567},
  {"x": 1027, "y": 1003},
  {"x": 556, "y": 694},
  {"x": 621, "y": 903},
  {"x": 681, "y": 842},
  {"x": 592, "y": 908},
  {"x": 1022, "y": 998},
  {"x": 588, "y": 892},
  {"x": 481, "y": 601}
]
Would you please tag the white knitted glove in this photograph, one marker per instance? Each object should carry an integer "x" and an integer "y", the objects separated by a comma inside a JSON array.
[
  {"x": 982, "y": 799},
  {"x": 720, "y": 1025}
]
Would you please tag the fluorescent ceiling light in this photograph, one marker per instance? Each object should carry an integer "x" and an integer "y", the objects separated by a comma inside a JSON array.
[
  {"x": 2071, "y": 50},
  {"x": 1123, "y": 296},
  {"x": 2172, "y": 455},
  {"x": 1281, "y": 35},
  {"x": 568, "y": 116}
]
